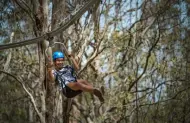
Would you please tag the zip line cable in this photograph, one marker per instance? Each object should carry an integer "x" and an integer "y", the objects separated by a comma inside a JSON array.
[{"x": 72, "y": 19}]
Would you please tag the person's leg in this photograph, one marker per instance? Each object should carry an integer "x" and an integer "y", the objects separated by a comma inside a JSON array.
[
  {"x": 84, "y": 82},
  {"x": 80, "y": 86},
  {"x": 96, "y": 92},
  {"x": 84, "y": 86}
]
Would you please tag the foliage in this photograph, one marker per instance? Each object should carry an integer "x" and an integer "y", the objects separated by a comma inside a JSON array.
[{"x": 142, "y": 61}]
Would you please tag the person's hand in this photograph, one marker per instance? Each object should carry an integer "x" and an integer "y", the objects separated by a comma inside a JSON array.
[
  {"x": 49, "y": 63},
  {"x": 70, "y": 55}
]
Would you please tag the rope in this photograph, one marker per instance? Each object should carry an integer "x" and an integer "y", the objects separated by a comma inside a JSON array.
[{"x": 48, "y": 35}]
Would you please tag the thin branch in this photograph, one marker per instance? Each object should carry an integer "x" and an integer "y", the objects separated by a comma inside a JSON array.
[
  {"x": 53, "y": 33},
  {"x": 29, "y": 94},
  {"x": 172, "y": 98},
  {"x": 6, "y": 65},
  {"x": 29, "y": 11},
  {"x": 146, "y": 65},
  {"x": 15, "y": 100},
  {"x": 95, "y": 54}
]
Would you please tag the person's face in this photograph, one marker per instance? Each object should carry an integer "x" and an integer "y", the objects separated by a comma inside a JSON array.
[{"x": 59, "y": 63}]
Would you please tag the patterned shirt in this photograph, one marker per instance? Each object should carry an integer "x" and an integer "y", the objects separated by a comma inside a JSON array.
[{"x": 65, "y": 75}]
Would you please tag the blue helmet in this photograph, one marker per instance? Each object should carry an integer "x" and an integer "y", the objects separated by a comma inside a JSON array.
[{"x": 57, "y": 55}]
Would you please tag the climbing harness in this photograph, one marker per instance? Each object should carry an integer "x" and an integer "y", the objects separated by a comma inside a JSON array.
[{"x": 69, "y": 93}]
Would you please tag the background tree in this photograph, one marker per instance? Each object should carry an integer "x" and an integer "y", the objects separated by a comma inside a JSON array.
[{"x": 135, "y": 51}]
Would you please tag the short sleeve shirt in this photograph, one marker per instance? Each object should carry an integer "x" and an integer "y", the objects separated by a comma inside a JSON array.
[{"x": 66, "y": 75}]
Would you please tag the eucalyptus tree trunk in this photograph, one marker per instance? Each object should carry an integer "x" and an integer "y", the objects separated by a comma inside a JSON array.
[{"x": 40, "y": 8}]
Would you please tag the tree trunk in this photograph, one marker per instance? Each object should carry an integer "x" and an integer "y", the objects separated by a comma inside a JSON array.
[
  {"x": 41, "y": 23},
  {"x": 54, "y": 95}
]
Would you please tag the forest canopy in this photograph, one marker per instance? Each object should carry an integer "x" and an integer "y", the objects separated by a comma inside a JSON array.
[{"x": 136, "y": 51}]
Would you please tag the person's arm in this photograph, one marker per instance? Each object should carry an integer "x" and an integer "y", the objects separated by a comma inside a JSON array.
[
  {"x": 75, "y": 63},
  {"x": 50, "y": 73}
]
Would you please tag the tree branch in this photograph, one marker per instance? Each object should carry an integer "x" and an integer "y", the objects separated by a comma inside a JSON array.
[
  {"x": 95, "y": 54},
  {"x": 6, "y": 65},
  {"x": 146, "y": 65},
  {"x": 29, "y": 94}
]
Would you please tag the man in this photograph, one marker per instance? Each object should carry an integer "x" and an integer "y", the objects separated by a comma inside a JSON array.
[{"x": 67, "y": 80}]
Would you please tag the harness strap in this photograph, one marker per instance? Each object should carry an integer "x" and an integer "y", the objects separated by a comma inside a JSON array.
[
  {"x": 68, "y": 92},
  {"x": 62, "y": 83}
]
